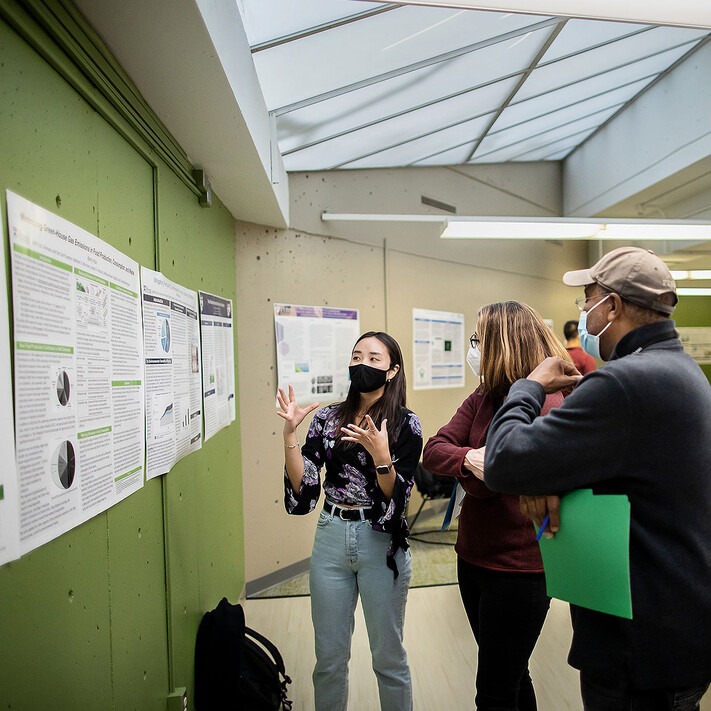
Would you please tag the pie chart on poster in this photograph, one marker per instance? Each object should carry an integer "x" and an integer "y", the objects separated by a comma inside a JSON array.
[
  {"x": 64, "y": 465},
  {"x": 63, "y": 388}
]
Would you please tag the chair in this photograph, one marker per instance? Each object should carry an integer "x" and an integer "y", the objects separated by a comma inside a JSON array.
[{"x": 431, "y": 487}]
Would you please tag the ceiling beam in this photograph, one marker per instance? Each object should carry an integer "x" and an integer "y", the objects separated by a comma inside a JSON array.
[
  {"x": 539, "y": 55},
  {"x": 316, "y": 29},
  {"x": 681, "y": 13}
]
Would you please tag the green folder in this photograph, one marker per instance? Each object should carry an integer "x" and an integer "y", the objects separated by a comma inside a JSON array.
[{"x": 587, "y": 563}]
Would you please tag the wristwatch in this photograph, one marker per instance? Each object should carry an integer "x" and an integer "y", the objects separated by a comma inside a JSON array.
[{"x": 383, "y": 469}]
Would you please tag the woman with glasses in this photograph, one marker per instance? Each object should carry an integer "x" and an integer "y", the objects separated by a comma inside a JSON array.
[
  {"x": 370, "y": 445},
  {"x": 499, "y": 564}
]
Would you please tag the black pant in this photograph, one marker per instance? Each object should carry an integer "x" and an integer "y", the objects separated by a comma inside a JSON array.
[
  {"x": 506, "y": 612},
  {"x": 604, "y": 696}
]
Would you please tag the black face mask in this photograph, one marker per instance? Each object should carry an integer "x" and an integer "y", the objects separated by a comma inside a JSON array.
[{"x": 365, "y": 378}]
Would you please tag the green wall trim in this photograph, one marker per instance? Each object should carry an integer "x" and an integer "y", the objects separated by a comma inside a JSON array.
[{"x": 61, "y": 35}]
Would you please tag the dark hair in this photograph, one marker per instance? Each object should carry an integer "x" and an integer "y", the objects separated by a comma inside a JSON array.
[
  {"x": 386, "y": 407},
  {"x": 570, "y": 330},
  {"x": 514, "y": 339}
]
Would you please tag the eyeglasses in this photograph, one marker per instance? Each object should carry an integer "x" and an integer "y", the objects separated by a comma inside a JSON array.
[
  {"x": 474, "y": 340},
  {"x": 582, "y": 300}
]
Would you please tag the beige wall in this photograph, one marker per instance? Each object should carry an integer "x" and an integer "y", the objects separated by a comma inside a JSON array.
[
  {"x": 446, "y": 286},
  {"x": 385, "y": 271}
]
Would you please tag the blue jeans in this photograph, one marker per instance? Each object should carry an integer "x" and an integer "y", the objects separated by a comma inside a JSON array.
[
  {"x": 349, "y": 558},
  {"x": 598, "y": 696}
]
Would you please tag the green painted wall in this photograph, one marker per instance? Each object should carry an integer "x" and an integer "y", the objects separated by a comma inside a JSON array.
[
  {"x": 105, "y": 616},
  {"x": 694, "y": 311}
]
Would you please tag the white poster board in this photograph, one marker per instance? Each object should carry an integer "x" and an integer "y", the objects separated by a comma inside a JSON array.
[
  {"x": 218, "y": 362},
  {"x": 173, "y": 373},
  {"x": 697, "y": 343},
  {"x": 313, "y": 346},
  {"x": 79, "y": 413},
  {"x": 438, "y": 348},
  {"x": 9, "y": 505}
]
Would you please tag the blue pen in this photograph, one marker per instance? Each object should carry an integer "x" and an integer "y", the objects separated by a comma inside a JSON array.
[{"x": 543, "y": 526}]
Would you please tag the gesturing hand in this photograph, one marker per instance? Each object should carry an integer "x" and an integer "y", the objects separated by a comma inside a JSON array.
[
  {"x": 292, "y": 414},
  {"x": 373, "y": 439}
]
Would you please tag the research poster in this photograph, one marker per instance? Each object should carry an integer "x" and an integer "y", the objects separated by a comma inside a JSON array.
[
  {"x": 173, "y": 373},
  {"x": 438, "y": 348},
  {"x": 697, "y": 343},
  {"x": 9, "y": 509},
  {"x": 313, "y": 346},
  {"x": 79, "y": 414},
  {"x": 218, "y": 362}
]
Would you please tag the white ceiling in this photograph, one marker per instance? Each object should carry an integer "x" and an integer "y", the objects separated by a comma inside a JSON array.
[
  {"x": 369, "y": 85},
  {"x": 420, "y": 86}
]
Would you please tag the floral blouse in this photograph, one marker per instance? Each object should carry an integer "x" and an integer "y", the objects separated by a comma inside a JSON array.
[{"x": 350, "y": 477}]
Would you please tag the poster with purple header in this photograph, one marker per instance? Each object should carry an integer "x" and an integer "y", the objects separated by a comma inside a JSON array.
[
  {"x": 218, "y": 362},
  {"x": 313, "y": 346}
]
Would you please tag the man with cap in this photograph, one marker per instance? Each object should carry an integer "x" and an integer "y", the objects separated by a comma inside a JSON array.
[{"x": 639, "y": 426}]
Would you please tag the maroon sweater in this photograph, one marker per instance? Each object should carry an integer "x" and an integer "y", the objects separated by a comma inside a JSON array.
[{"x": 493, "y": 533}]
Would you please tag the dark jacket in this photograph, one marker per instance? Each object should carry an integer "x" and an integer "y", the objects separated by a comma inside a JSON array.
[{"x": 639, "y": 426}]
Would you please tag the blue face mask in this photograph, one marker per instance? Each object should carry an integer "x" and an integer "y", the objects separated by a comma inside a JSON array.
[{"x": 590, "y": 343}]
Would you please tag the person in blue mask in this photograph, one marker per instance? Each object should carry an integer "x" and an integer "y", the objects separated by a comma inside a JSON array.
[
  {"x": 638, "y": 426},
  {"x": 370, "y": 445}
]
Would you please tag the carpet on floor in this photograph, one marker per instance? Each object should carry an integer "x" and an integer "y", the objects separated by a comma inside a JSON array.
[{"x": 434, "y": 561}]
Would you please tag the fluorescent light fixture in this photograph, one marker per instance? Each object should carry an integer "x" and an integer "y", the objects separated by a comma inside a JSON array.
[
  {"x": 519, "y": 230},
  {"x": 628, "y": 231},
  {"x": 693, "y": 274},
  {"x": 688, "y": 291},
  {"x": 557, "y": 228}
]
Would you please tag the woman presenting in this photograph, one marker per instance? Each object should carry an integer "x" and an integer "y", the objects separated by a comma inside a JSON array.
[
  {"x": 499, "y": 565},
  {"x": 370, "y": 445}
]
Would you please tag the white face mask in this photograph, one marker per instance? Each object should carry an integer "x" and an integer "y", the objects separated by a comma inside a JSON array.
[{"x": 474, "y": 359}]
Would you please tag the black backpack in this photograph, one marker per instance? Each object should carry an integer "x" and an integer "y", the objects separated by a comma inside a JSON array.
[{"x": 232, "y": 670}]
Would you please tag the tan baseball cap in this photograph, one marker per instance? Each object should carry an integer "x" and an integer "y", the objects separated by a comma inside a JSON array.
[{"x": 636, "y": 274}]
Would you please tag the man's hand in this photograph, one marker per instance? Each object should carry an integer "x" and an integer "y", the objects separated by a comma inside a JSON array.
[
  {"x": 536, "y": 508},
  {"x": 555, "y": 374}
]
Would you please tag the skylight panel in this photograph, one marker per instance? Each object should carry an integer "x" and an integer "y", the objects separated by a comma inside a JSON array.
[
  {"x": 609, "y": 57},
  {"x": 375, "y": 46},
  {"x": 266, "y": 20},
  {"x": 527, "y": 115}
]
